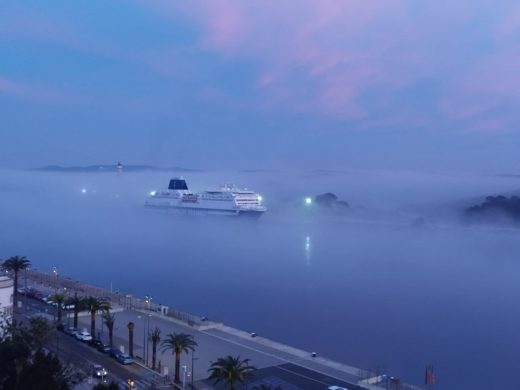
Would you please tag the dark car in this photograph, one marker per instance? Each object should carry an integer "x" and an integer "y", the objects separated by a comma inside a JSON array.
[
  {"x": 98, "y": 371},
  {"x": 102, "y": 347},
  {"x": 114, "y": 352}
]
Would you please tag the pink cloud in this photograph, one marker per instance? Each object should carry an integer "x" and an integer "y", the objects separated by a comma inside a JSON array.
[
  {"x": 324, "y": 56},
  {"x": 9, "y": 87},
  {"x": 35, "y": 92}
]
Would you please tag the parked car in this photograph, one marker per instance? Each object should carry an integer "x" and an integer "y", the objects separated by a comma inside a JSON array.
[
  {"x": 104, "y": 348},
  {"x": 98, "y": 371},
  {"x": 121, "y": 357},
  {"x": 124, "y": 358},
  {"x": 337, "y": 388},
  {"x": 83, "y": 336},
  {"x": 100, "y": 346},
  {"x": 71, "y": 331},
  {"x": 67, "y": 306},
  {"x": 114, "y": 352}
]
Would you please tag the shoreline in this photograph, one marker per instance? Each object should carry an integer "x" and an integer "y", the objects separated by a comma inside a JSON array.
[{"x": 123, "y": 302}]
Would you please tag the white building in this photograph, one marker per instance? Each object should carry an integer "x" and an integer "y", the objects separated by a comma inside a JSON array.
[{"x": 6, "y": 300}]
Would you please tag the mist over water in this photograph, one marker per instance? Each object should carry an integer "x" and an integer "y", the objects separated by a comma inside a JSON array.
[{"x": 367, "y": 289}]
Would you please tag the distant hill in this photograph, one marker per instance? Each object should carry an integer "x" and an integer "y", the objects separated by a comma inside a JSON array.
[
  {"x": 110, "y": 168},
  {"x": 495, "y": 209},
  {"x": 330, "y": 201}
]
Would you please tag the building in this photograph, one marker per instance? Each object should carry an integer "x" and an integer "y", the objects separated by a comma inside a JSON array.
[{"x": 6, "y": 301}]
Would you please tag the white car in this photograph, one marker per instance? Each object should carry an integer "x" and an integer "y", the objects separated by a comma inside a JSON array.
[
  {"x": 83, "y": 336},
  {"x": 337, "y": 388}
]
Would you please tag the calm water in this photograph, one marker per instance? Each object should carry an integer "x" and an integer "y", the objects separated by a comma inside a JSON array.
[{"x": 369, "y": 291}]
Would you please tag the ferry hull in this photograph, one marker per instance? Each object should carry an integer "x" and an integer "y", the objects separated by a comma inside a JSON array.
[{"x": 249, "y": 214}]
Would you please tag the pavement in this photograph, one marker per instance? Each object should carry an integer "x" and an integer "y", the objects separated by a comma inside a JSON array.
[
  {"x": 216, "y": 343},
  {"x": 277, "y": 363}
]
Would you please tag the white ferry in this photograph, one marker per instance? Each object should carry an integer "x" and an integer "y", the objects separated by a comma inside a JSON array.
[{"x": 228, "y": 200}]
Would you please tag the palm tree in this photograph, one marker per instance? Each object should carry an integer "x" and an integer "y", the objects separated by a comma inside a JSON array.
[
  {"x": 230, "y": 370},
  {"x": 267, "y": 387},
  {"x": 93, "y": 305},
  {"x": 109, "y": 320},
  {"x": 178, "y": 343},
  {"x": 131, "y": 327},
  {"x": 59, "y": 299},
  {"x": 15, "y": 264},
  {"x": 155, "y": 337},
  {"x": 79, "y": 305}
]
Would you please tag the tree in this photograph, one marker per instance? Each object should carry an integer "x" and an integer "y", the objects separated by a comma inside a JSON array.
[
  {"x": 178, "y": 343},
  {"x": 59, "y": 299},
  {"x": 15, "y": 264},
  {"x": 109, "y": 320},
  {"x": 79, "y": 305},
  {"x": 45, "y": 371},
  {"x": 230, "y": 370},
  {"x": 24, "y": 363},
  {"x": 155, "y": 337},
  {"x": 106, "y": 386},
  {"x": 93, "y": 305}
]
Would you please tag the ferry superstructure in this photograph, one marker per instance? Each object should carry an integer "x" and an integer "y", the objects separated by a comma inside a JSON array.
[{"x": 227, "y": 201}]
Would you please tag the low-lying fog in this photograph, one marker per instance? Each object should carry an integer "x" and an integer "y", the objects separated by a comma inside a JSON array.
[{"x": 367, "y": 288}]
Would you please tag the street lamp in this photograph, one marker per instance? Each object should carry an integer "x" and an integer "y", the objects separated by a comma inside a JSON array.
[
  {"x": 144, "y": 336},
  {"x": 184, "y": 369},
  {"x": 25, "y": 283},
  {"x": 148, "y": 300},
  {"x": 55, "y": 270},
  {"x": 148, "y": 338},
  {"x": 193, "y": 358}
]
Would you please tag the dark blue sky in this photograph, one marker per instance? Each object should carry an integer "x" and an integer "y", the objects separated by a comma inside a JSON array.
[{"x": 261, "y": 84}]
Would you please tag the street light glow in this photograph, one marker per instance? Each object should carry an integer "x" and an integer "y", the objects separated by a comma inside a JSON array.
[{"x": 83, "y": 190}]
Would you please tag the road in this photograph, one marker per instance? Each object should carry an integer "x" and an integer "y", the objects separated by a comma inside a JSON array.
[{"x": 83, "y": 356}]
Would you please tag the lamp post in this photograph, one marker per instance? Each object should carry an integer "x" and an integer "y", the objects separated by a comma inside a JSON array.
[
  {"x": 184, "y": 369},
  {"x": 144, "y": 336},
  {"x": 148, "y": 300},
  {"x": 147, "y": 338},
  {"x": 193, "y": 358},
  {"x": 25, "y": 283}
]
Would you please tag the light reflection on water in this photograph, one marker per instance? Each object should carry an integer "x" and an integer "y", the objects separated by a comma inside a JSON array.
[{"x": 376, "y": 296}]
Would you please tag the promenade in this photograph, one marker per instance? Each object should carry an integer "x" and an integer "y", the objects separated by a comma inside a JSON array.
[{"x": 214, "y": 340}]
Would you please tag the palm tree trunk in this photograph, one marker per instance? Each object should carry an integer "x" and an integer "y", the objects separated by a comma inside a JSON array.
[
  {"x": 15, "y": 294},
  {"x": 177, "y": 366},
  {"x": 110, "y": 336},
  {"x": 154, "y": 353},
  {"x": 75, "y": 317},
  {"x": 92, "y": 323},
  {"x": 131, "y": 342},
  {"x": 59, "y": 313}
]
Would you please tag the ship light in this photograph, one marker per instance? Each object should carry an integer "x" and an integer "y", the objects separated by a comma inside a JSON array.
[
  {"x": 83, "y": 190},
  {"x": 152, "y": 193},
  {"x": 308, "y": 201},
  {"x": 260, "y": 198}
]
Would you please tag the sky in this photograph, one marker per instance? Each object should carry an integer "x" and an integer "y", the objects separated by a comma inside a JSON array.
[{"x": 288, "y": 84}]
